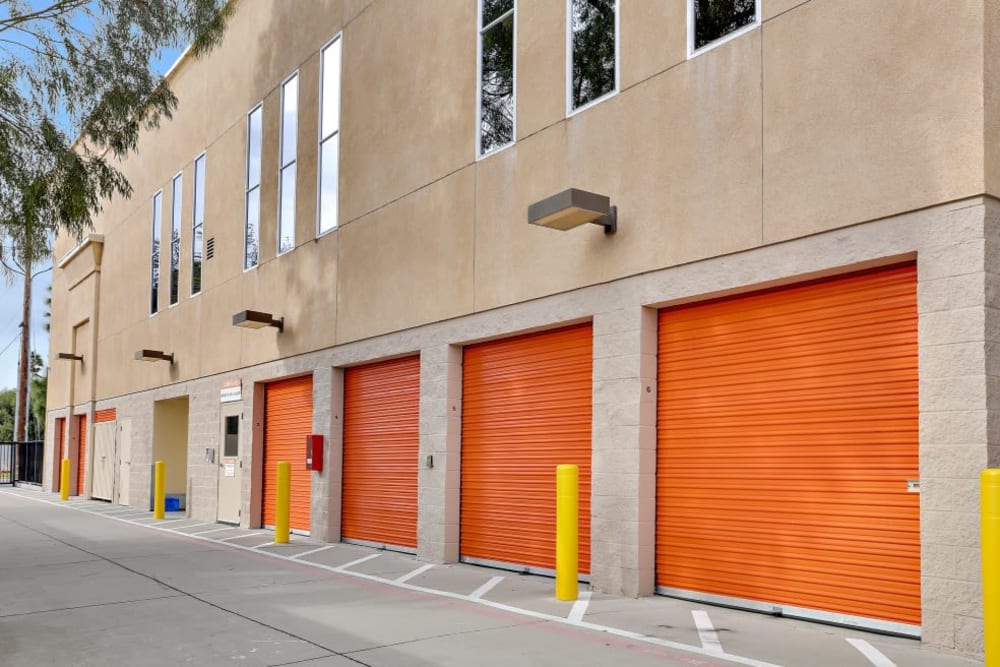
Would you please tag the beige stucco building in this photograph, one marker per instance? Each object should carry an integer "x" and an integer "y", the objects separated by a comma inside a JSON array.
[{"x": 780, "y": 376}]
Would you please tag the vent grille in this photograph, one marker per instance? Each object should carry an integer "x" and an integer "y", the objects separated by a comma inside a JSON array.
[{"x": 210, "y": 248}]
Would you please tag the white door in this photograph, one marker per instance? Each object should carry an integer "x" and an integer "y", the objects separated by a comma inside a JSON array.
[
  {"x": 104, "y": 460},
  {"x": 124, "y": 459},
  {"x": 229, "y": 469}
]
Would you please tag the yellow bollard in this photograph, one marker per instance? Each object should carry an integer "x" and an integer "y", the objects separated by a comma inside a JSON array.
[
  {"x": 159, "y": 490},
  {"x": 567, "y": 530},
  {"x": 283, "y": 502},
  {"x": 989, "y": 499},
  {"x": 64, "y": 480}
]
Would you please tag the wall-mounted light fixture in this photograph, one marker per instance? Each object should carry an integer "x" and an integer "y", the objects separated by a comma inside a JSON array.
[
  {"x": 254, "y": 319},
  {"x": 572, "y": 208},
  {"x": 153, "y": 355},
  {"x": 69, "y": 357}
]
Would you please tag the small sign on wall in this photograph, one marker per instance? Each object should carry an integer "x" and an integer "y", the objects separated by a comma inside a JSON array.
[
  {"x": 231, "y": 391},
  {"x": 229, "y": 468}
]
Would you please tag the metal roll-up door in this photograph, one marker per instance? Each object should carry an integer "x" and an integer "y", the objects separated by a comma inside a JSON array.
[
  {"x": 788, "y": 449},
  {"x": 287, "y": 422},
  {"x": 526, "y": 408},
  {"x": 81, "y": 453},
  {"x": 381, "y": 452},
  {"x": 60, "y": 448}
]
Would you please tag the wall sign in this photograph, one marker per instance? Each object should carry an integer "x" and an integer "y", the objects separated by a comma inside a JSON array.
[{"x": 231, "y": 392}]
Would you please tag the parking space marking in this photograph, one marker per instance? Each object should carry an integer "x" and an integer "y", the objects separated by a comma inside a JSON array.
[
  {"x": 313, "y": 551},
  {"x": 485, "y": 588},
  {"x": 343, "y": 567},
  {"x": 236, "y": 537},
  {"x": 416, "y": 573},
  {"x": 873, "y": 654},
  {"x": 579, "y": 608},
  {"x": 529, "y": 613},
  {"x": 706, "y": 631},
  {"x": 214, "y": 530},
  {"x": 266, "y": 544}
]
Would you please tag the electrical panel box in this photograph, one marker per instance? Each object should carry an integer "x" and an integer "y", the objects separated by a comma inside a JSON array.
[{"x": 314, "y": 452}]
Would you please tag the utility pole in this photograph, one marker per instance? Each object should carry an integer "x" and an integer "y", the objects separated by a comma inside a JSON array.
[{"x": 24, "y": 367}]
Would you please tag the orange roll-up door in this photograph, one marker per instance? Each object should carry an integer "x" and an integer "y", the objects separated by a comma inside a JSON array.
[
  {"x": 287, "y": 422},
  {"x": 108, "y": 415},
  {"x": 787, "y": 432},
  {"x": 81, "y": 453},
  {"x": 526, "y": 409},
  {"x": 381, "y": 452}
]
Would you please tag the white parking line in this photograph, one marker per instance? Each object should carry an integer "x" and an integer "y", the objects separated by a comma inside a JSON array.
[
  {"x": 341, "y": 568},
  {"x": 579, "y": 608},
  {"x": 266, "y": 544},
  {"x": 706, "y": 632},
  {"x": 313, "y": 551},
  {"x": 214, "y": 530},
  {"x": 485, "y": 588},
  {"x": 610, "y": 630},
  {"x": 197, "y": 525},
  {"x": 420, "y": 570},
  {"x": 237, "y": 537},
  {"x": 873, "y": 654}
]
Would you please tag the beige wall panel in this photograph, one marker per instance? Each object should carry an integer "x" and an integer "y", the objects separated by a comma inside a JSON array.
[
  {"x": 410, "y": 262},
  {"x": 308, "y": 151},
  {"x": 125, "y": 272},
  {"x": 541, "y": 65},
  {"x": 299, "y": 286},
  {"x": 60, "y": 340},
  {"x": 281, "y": 35},
  {"x": 352, "y": 8},
  {"x": 653, "y": 37},
  {"x": 218, "y": 340},
  {"x": 991, "y": 92},
  {"x": 772, "y": 8},
  {"x": 83, "y": 373},
  {"x": 225, "y": 207},
  {"x": 271, "y": 127},
  {"x": 408, "y": 107},
  {"x": 122, "y": 374},
  {"x": 878, "y": 111},
  {"x": 685, "y": 177}
]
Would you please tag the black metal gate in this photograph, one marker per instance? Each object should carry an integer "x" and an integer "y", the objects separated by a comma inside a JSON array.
[{"x": 21, "y": 462}]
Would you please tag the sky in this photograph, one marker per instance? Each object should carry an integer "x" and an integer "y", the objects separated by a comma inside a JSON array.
[{"x": 11, "y": 294}]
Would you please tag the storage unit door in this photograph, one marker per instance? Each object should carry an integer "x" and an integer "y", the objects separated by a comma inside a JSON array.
[
  {"x": 381, "y": 452},
  {"x": 787, "y": 433},
  {"x": 81, "y": 454},
  {"x": 60, "y": 448},
  {"x": 526, "y": 409},
  {"x": 287, "y": 422},
  {"x": 102, "y": 486}
]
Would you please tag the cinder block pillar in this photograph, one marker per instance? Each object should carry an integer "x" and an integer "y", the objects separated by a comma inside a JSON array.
[
  {"x": 439, "y": 479},
  {"x": 324, "y": 517},
  {"x": 623, "y": 482},
  {"x": 958, "y": 306}
]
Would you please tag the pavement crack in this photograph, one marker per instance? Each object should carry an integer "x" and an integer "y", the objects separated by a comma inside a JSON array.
[{"x": 88, "y": 606}]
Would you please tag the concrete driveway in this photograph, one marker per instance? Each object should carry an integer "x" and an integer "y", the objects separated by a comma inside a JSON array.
[{"x": 90, "y": 583}]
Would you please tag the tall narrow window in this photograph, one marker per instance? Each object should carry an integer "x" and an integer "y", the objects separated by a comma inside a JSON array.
[
  {"x": 198, "y": 224},
  {"x": 329, "y": 136},
  {"x": 713, "y": 20},
  {"x": 175, "y": 237},
  {"x": 286, "y": 174},
  {"x": 154, "y": 262},
  {"x": 593, "y": 50},
  {"x": 496, "y": 74},
  {"x": 251, "y": 233}
]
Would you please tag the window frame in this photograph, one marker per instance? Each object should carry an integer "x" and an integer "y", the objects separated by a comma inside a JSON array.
[
  {"x": 176, "y": 215},
  {"x": 480, "y": 29},
  {"x": 322, "y": 140},
  {"x": 155, "y": 252},
  {"x": 247, "y": 189},
  {"x": 195, "y": 224},
  {"x": 293, "y": 163},
  {"x": 692, "y": 52},
  {"x": 570, "y": 111}
]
